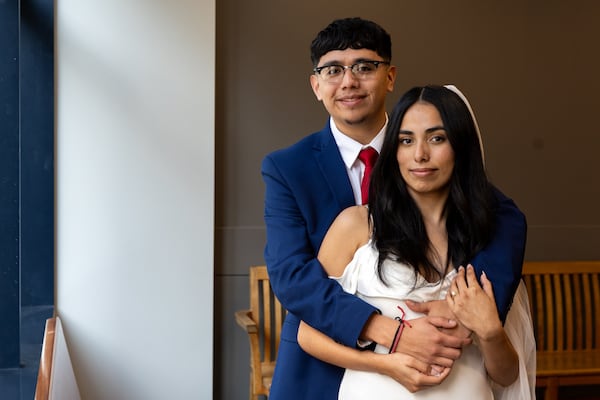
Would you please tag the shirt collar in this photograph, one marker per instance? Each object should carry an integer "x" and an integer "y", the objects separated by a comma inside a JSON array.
[{"x": 349, "y": 148}]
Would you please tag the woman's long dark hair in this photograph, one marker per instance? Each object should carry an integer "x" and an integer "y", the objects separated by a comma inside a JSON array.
[{"x": 398, "y": 229}]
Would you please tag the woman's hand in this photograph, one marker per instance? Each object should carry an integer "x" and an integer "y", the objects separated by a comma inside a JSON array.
[
  {"x": 413, "y": 374},
  {"x": 473, "y": 305}
]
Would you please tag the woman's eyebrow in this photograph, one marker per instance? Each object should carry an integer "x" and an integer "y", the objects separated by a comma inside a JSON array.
[
  {"x": 428, "y": 130},
  {"x": 435, "y": 128}
]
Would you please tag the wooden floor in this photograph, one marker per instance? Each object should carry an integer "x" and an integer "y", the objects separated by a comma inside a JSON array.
[{"x": 576, "y": 393}]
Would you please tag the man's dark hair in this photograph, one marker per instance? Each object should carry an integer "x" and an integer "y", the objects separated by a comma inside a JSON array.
[{"x": 351, "y": 33}]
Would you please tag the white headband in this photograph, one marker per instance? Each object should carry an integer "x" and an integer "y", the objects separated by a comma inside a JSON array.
[{"x": 464, "y": 99}]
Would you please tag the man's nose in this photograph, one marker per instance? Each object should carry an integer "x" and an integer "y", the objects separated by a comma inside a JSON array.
[{"x": 348, "y": 78}]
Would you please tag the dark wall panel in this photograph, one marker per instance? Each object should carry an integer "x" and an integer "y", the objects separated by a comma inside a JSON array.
[
  {"x": 9, "y": 184},
  {"x": 37, "y": 152},
  {"x": 26, "y": 167}
]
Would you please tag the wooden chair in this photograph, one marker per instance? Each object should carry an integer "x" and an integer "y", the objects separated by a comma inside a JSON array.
[
  {"x": 262, "y": 322},
  {"x": 565, "y": 306},
  {"x": 42, "y": 388},
  {"x": 56, "y": 378}
]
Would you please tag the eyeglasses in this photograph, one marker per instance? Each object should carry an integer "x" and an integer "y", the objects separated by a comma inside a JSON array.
[{"x": 334, "y": 73}]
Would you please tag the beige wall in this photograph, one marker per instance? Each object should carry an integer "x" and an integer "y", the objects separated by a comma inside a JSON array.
[{"x": 530, "y": 69}]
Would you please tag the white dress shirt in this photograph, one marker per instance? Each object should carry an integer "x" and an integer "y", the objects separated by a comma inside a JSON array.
[{"x": 349, "y": 149}]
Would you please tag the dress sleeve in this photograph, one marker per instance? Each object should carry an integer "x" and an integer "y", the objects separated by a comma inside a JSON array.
[{"x": 519, "y": 329}]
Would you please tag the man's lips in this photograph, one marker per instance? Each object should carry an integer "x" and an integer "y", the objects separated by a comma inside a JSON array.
[{"x": 351, "y": 100}]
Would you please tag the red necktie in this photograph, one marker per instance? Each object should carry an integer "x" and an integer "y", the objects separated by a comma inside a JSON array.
[{"x": 368, "y": 156}]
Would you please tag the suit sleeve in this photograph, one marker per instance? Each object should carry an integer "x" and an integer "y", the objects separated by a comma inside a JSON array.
[
  {"x": 297, "y": 277},
  {"x": 502, "y": 259}
]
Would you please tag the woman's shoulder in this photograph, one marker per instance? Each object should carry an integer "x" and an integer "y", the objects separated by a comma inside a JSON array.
[
  {"x": 355, "y": 216},
  {"x": 354, "y": 221},
  {"x": 349, "y": 231}
]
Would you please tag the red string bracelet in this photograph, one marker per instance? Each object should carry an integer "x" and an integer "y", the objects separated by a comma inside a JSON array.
[{"x": 399, "y": 331}]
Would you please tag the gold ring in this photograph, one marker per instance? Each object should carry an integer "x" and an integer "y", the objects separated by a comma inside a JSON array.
[{"x": 453, "y": 293}]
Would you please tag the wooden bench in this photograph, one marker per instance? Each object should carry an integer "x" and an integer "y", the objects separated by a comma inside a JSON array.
[{"x": 565, "y": 307}]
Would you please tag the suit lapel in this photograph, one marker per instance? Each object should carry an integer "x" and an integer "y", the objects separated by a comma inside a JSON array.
[{"x": 333, "y": 169}]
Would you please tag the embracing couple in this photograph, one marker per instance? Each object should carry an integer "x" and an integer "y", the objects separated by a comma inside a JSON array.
[{"x": 397, "y": 259}]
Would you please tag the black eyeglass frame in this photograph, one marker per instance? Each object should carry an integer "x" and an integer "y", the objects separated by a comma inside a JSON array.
[{"x": 317, "y": 70}]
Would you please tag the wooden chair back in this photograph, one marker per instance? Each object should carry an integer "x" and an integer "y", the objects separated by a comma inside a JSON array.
[
  {"x": 565, "y": 307},
  {"x": 565, "y": 304},
  {"x": 262, "y": 322}
]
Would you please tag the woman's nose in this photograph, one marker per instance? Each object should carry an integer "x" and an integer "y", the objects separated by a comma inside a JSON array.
[{"x": 421, "y": 152}]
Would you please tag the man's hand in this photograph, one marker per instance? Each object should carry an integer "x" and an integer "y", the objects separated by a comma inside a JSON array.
[
  {"x": 440, "y": 308},
  {"x": 425, "y": 341}
]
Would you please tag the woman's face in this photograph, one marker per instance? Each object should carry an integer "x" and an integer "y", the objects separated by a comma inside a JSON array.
[{"x": 424, "y": 153}]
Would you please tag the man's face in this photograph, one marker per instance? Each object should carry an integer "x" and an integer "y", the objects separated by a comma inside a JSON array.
[{"x": 355, "y": 103}]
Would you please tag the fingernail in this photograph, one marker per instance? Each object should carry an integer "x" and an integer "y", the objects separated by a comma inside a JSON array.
[{"x": 436, "y": 370}]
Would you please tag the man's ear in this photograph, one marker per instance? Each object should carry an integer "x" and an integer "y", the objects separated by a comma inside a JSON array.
[
  {"x": 314, "y": 83},
  {"x": 391, "y": 76}
]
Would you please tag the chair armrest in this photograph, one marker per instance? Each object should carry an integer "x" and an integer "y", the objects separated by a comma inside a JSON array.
[{"x": 244, "y": 319}]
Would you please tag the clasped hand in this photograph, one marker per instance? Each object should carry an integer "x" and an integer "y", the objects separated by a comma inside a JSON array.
[{"x": 430, "y": 345}]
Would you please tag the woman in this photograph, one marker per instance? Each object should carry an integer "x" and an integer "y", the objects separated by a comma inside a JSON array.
[{"x": 431, "y": 210}]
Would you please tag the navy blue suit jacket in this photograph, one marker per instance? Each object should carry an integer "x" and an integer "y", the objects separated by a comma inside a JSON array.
[{"x": 306, "y": 188}]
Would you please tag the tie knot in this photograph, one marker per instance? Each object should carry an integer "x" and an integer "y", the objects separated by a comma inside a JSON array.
[{"x": 368, "y": 156}]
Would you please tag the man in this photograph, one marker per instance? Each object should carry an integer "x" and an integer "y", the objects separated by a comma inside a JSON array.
[{"x": 309, "y": 183}]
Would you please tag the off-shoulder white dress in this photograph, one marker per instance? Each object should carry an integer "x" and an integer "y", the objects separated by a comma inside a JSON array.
[{"x": 468, "y": 379}]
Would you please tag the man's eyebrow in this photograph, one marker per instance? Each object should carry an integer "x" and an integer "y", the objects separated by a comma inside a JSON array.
[
  {"x": 337, "y": 62},
  {"x": 330, "y": 63}
]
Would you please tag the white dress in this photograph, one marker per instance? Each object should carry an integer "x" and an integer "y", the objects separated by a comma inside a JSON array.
[{"x": 468, "y": 378}]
